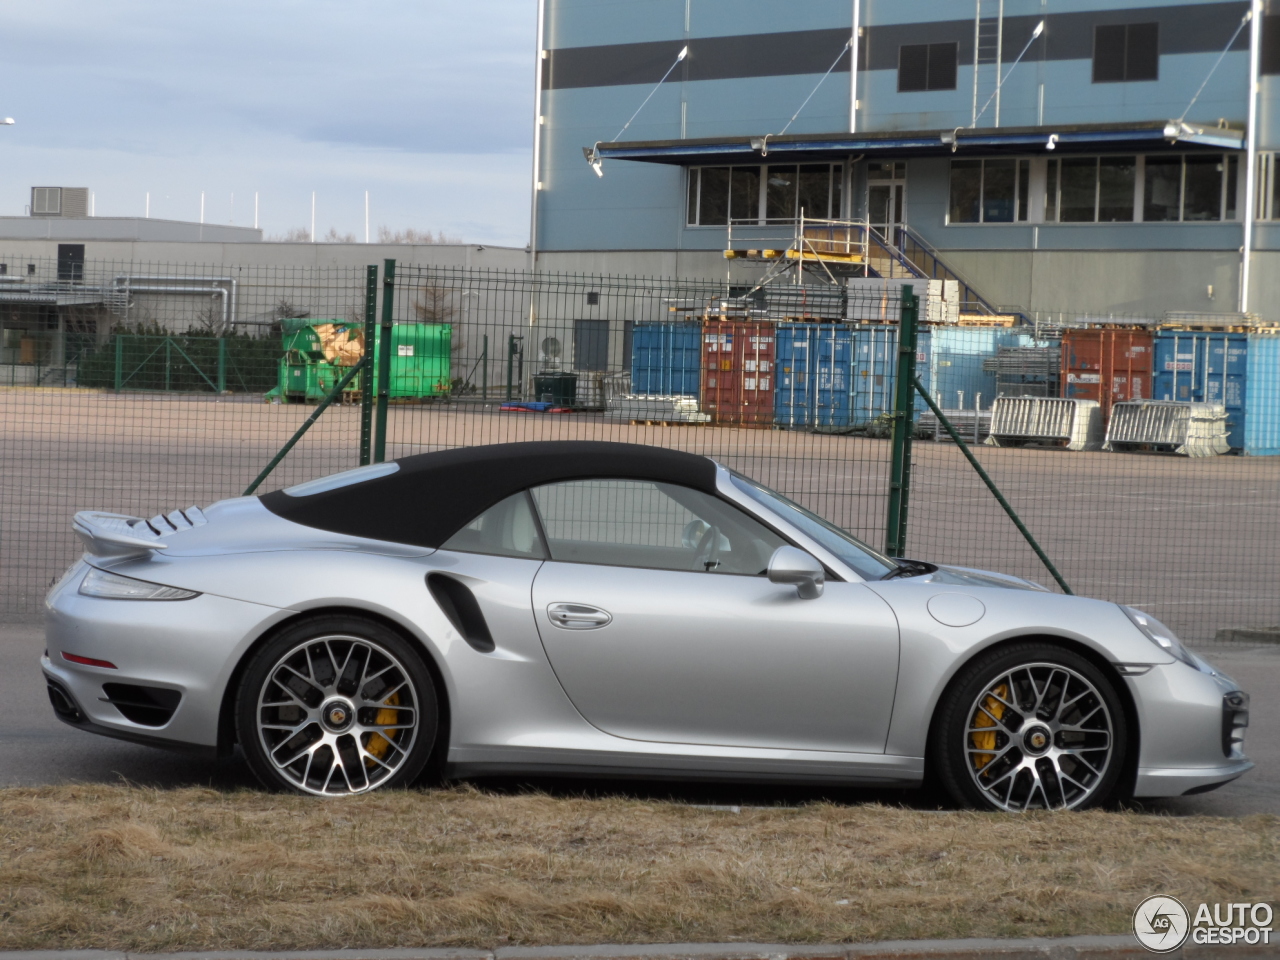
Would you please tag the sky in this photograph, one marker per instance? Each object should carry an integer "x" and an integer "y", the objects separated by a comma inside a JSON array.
[{"x": 427, "y": 105}]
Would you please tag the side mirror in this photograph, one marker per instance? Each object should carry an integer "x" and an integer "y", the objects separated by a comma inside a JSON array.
[{"x": 792, "y": 565}]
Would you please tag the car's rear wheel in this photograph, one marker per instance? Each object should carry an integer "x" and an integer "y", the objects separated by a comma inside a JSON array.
[
  {"x": 337, "y": 705},
  {"x": 1030, "y": 727}
]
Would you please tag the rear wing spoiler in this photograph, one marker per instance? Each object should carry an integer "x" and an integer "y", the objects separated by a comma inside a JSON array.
[{"x": 115, "y": 535}]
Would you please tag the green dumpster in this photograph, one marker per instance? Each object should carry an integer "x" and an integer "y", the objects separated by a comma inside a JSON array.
[
  {"x": 316, "y": 355},
  {"x": 420, "y": 360}
]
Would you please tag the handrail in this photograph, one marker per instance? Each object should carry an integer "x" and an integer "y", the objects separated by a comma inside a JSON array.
[
  {"x": 969, "y": 293},
  {"x": 897, "y": 255}
]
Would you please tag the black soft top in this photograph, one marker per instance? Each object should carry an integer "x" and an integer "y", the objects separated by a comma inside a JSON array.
[{"x": 433, "y": 495}]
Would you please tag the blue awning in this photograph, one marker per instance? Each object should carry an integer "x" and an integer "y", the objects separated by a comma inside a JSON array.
[{"x": 1146, "y": 137}]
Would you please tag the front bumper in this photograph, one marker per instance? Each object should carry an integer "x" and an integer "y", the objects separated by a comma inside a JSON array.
[
  {"x": 1192, "y": 734},
  {"x": 183, "y": 650}
]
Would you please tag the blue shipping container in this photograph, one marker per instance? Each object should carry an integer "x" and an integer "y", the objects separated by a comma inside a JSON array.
[
  {"x": 834, "y": 375},
  {"x": 812, "y": 382},
  {"x": 949, "y": 363},
  {"x": 1262, "y": 399},
  {"x": 1204, "y": 367},
  {"x": 875, "y": 367},
  {"x": 666, "y": 359}
]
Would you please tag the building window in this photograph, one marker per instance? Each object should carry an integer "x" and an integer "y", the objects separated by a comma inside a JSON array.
[
  {"x": 927, "y": 66},
  {"x": 71, "y": 261},
  {"x": 1267, "y": 198},
  {"x": 1078, "y": 195},
  {"x": 777, "y": 193},
  {"x": 1126, "y": 52},
  {"x": 1117, "y": 177},
  {"x": 1196, "y": 187},
  {"x": 1202, "y": 188},
  {"x": 1092, "y": 189},
  {"x": 1270, "y": 49},
  {"x": 989, "y": 191},
  {"x": 1160, "y": 188}
]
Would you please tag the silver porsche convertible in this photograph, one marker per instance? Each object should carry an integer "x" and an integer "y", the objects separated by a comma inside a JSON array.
[{"x": 612, "y": 610}]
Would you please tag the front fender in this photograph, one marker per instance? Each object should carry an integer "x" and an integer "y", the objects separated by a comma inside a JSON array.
[{"x": 933, "y": 653}]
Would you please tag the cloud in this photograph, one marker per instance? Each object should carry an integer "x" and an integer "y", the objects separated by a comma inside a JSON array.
[{"x": 138, "y": 95}]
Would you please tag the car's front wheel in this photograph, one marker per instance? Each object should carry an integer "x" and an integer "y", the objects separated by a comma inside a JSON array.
[
  {"x": 337, "y": 705},
  {"x": 1031, "y": 726}
]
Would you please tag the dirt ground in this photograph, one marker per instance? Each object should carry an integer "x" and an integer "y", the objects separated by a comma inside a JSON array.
[
  {"x": 1196, "y": 542},
  {"x": 128, "y": 868}
]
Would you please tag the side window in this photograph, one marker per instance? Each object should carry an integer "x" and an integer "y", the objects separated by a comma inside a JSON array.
[
  {"x": 1125, "y": 52},
  {"x": 507, "y": 529},
  {"x": 927, "y": 66},
  {"x": 638, "y": 523}
]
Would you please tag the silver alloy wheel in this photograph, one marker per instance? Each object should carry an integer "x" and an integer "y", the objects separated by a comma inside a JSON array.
[
  {"x": 1039, "y": 736},
  {"x": 337, "y": 715}
]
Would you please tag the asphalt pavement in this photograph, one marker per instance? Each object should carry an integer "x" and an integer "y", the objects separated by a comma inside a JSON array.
[{"x": 36, "y": 749}]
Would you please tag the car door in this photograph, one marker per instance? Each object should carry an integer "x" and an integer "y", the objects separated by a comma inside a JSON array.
[{"x": 658, "y": 619}]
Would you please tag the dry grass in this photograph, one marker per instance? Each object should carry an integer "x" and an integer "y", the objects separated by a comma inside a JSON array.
[{"x": 128, "y": 868}]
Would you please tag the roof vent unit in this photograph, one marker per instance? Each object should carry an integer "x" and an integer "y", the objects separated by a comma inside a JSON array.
[{"x": 59, "y": 201}]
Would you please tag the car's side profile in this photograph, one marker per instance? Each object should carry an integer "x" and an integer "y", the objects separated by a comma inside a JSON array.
[{"x": 609, "y": 609}]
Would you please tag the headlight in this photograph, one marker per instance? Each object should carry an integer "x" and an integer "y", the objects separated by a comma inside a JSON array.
[
  {"x": 1162, "y": 636},
  {"x": 112, "y": 586}
]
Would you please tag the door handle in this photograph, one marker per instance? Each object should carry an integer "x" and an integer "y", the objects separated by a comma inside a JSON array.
[{"x": 578, "y": 616}]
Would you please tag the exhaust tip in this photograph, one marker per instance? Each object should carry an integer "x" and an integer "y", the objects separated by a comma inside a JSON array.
[{"x": 63, "y": 703}]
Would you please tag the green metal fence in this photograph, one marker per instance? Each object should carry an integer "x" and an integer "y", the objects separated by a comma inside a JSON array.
[
  {"x": 143, "y": 420},
  {"x": 181, "y": 364}
]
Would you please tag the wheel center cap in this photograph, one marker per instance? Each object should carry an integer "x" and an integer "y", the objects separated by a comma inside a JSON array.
[
  {"x": 1037, "y": 740},
  {"x": 337, "y": 715}
]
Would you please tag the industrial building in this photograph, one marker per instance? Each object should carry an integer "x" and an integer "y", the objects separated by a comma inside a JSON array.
[{"x": 1097, "y": 156}]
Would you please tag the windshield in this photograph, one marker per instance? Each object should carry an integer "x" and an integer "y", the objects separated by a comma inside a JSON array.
[{"x": 868, "y": 563}]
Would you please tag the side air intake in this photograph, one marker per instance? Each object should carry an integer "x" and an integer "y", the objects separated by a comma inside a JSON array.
[{"x": 459, "y": 604}]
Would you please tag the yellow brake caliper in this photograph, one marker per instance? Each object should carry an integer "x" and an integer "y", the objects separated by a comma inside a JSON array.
[
  {"x": 985, "y": 740},
  {"x": 378, "y": 744}
]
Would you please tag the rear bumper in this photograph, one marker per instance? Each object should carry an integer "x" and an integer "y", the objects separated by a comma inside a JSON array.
[
  {"x": 183, "y": 650},
  {"x": 68, "y": 710}
]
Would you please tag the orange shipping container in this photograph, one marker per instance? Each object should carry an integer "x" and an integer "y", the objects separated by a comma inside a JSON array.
[
  {"x": 737, "y": 372},
  {"x": 1107, "y": 366}
]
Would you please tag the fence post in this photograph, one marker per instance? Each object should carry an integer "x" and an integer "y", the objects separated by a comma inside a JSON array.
[
  {"x": 384, "y": 359},
  {"x": 222, "y": 365},
  {"x": 119, "y": 361},
  {"x": 367, "y": 376},
  {"x": 903, "y": 425},
  {"x": 484, "y": 370}
]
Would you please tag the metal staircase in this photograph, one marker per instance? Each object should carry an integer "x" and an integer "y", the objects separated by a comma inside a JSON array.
[
  {"x": 834, "y": 250},
  {"x": 911, "y": 256}
]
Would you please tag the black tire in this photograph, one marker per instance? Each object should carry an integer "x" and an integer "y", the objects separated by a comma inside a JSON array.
[
  {"x": 360, "y": 713},
  {"x": 1048, "y": 732}
]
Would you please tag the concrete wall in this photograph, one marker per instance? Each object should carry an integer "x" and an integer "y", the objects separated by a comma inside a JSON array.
[
  {"x": 77, "y": 229},
  {"x": 1143, "y": 283},
  {"x": 16, "y": 253}
]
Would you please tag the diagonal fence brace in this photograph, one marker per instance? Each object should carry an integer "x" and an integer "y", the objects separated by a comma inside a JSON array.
[
  {"x": 321, "y": 407},
  {"x": 995, "y": 491}
]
